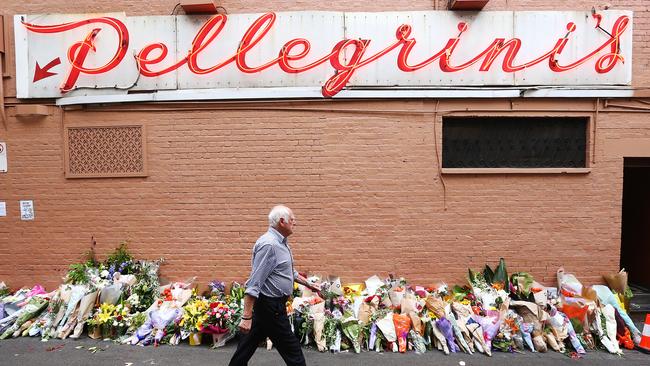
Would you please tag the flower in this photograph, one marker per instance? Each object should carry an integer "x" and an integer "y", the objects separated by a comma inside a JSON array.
[
  {"x": 105, "y": 313},
  {"x": 217, "y": 288},
  {"x": 194, "y": 314},
  {"x": 221, "y": 317}
]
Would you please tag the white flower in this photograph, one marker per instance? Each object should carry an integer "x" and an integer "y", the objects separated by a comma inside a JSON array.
[
  {"x": 104, "y": 273},
  {"x": 134, "y": 300}
]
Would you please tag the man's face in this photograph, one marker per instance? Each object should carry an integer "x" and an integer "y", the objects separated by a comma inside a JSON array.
[{"x": 286, "y": 227}]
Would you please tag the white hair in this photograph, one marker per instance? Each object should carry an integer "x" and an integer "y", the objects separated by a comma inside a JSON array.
[{"x": 279, "y": 212}]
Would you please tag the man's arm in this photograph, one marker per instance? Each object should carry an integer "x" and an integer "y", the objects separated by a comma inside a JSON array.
[
  {"x": 247, "y": 316},
  {"x": 263, "y": 263},
  {"x": 303, "y": 281}
]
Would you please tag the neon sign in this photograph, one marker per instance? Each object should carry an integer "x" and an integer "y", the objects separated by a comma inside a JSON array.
[{"x": 345, "y": 57}]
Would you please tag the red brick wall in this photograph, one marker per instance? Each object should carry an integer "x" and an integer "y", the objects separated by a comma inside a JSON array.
[{"x": 364, "y": 185}]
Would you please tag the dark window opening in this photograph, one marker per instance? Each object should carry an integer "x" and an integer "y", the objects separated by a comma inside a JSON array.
[{"x": 514, "y": 142}]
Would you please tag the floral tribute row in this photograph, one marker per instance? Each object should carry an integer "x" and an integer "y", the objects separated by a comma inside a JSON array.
[{"x": 121, "y": 299}]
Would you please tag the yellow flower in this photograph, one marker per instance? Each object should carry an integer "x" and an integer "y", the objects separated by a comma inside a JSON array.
[{"x": 200, "y": 321}]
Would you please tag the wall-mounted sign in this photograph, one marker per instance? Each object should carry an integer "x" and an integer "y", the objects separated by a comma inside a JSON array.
[
  {"x": 3, "y": 157},
  {"x": 27, "y": 210},
  {"x": 3, "y": 209},
  {"x": 63, "y": 54}
]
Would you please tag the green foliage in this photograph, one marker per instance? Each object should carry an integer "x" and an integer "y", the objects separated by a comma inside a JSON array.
[
  {"x": 146, "y": 286},
  {"x": 501, "y": 275},
  {"x": 330, "y": 327},
  {"x": 4, "y": 290},
  {"x": 523, "y": 283},
  {"x": 78, "y": 274},
  {"x": 459, "y": 293},
  {"x": 628, "y": 293},
  {"x": 121, "y": 260},
  {"x": 488, "y": 274},
  {"x": 237, "y": 293},
  {"x": 137, "y": 320},
  {"x": 306, "y": 328}
]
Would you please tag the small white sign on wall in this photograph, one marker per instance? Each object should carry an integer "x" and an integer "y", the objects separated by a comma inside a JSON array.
[
  {"x": 3, "y": 157},
  {"x": 3, "y": 209},
  {"x": 27, "y": 210}
]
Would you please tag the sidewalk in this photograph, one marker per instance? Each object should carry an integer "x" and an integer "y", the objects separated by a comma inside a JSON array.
[{"x": 31, "y": 351}]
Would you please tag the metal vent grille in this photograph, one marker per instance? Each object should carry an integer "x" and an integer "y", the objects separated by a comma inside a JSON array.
[{"x": 113, "y": 151}]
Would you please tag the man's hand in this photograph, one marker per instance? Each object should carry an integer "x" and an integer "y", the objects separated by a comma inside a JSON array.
[
  {"x": 245, "y": 326},
  {"x": 314, "y": 286}
]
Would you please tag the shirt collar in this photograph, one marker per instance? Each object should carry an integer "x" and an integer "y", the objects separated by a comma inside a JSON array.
[{"x": 280, "y": 237}]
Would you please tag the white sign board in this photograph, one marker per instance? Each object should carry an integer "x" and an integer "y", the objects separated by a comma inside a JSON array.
[
  {"x": 3, "y": 157},
  {"x": 3, "y": 209},
  {"x": 27, "y": 210},
  {"x": 70, "y": 55}
]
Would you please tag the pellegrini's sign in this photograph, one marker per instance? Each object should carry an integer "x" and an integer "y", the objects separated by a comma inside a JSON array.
[{"x": 59, "y": 55}]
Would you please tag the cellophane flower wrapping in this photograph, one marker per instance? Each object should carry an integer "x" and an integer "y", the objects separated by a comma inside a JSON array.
[
  {"x": 32, "y": 309},
  {"x": 419, "y": 344},
  {"x": 222, "y": 319},
  {"x": 446, "y": 328},
  {"x": 352, "y": 330},
  {"x": 402, "y": 326},
  {"x": 194, "y": 314}
]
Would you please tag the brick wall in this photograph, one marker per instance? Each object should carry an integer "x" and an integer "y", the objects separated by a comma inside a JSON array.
[{"x": 364, "y": 184}]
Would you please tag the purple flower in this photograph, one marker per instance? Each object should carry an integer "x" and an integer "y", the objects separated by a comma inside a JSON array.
[{"x": 217, "y": 286}]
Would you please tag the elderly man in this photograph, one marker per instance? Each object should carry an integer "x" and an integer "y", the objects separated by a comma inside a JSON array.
[{"x": 267, "y": 290}]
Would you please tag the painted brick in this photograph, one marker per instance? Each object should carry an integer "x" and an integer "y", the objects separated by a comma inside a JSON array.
[{"x": 365, "y": 187}]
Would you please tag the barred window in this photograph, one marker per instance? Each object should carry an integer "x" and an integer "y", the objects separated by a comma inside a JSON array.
[{"x": 514, "y": 142}]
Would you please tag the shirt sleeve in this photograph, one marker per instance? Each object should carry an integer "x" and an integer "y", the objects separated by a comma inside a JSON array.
[
  {"x": 264, "y": 260},
  {"x": 295, "y": 275}
]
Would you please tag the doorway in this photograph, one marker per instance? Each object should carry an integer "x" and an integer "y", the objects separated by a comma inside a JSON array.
[{"x": 635, "y": 228}]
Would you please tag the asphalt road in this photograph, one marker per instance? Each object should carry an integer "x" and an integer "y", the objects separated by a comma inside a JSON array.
[{"x": 31, "y": 351}]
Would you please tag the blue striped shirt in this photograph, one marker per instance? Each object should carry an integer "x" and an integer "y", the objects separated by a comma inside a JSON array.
[{"x": 272, "y": 271}]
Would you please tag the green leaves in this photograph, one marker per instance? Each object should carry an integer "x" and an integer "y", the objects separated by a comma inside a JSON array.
[{"x": 78, "y": 274}]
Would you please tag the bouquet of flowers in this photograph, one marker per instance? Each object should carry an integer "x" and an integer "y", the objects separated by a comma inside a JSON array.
[
  {"x": 217, "y": 289},
  {"x": 32, "y": 309},
  {"x": 195, "y": 313},
  {"x": 111, "y": 320},
  {"x": 219, "y": 317},
  {"x": 145, "y": 291},
  {"x": 220, "y": 322},
  {"x": 4, "y": 291}
]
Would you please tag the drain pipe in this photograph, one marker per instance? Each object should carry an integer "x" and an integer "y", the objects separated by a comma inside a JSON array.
[{"x": 2, "y": 98}]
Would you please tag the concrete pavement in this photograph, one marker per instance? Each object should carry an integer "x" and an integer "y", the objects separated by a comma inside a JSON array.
[{"x": 31, "y": 351}]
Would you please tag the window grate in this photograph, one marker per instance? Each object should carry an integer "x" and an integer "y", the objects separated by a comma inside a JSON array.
[{"x": 514, "y": 142}]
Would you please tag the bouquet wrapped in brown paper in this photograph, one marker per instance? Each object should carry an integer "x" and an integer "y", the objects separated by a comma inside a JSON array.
[
  {"x": 408, "y": 303},
  {"x": 318, "y": 313},
  {"x": 617, "y": 282},
  {"x": 436, "y": 305}
]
